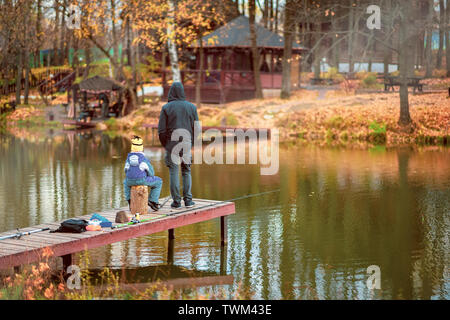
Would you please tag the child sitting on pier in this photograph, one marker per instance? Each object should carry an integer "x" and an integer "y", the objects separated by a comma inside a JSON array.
[{"x": 140, "y": 172}]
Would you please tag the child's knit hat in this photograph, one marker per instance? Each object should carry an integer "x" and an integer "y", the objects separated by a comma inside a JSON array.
[{"x": 137, "y": 144}]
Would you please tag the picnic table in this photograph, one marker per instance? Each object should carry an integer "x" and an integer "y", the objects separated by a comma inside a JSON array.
[
  {"x": 391, "y": 82},
  {"x": 88, "y": 111}
]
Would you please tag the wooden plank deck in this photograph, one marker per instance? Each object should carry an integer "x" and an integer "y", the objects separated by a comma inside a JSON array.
[
  {"x": 154, "y": 126},
  {"x": 30, "y": 248}
]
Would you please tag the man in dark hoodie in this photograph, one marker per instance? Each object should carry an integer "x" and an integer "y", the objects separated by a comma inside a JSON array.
[{"x": 178, "y": 114}]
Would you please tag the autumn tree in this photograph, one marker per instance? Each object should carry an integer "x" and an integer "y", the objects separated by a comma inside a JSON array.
[
  {"x": 18, "y": 37},
  {"x": 179, "y": 24},
  {"x": 338, "y": 30},
  {"x": 95, "y": 26}
]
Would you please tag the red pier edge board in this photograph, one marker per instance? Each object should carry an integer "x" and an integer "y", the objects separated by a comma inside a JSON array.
[{"x": 30, "y": 248}]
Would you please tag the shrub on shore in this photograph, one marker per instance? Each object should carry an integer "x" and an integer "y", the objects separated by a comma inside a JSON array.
[{"x": 37, "y": 282}]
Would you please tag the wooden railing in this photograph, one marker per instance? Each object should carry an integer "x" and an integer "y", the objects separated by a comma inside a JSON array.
[
  {"x": 213, "y": 77},
  {"x": 35, "y": 80}
]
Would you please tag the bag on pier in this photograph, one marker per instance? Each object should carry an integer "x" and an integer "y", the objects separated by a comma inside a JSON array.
[
  {"x": 104, "y": 223},
  {"x": 72, "y": 226}
]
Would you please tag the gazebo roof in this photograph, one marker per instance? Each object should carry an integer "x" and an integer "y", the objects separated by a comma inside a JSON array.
[
  {"x": 236, "y": 33},
  {"x": 98, "y": 84}
]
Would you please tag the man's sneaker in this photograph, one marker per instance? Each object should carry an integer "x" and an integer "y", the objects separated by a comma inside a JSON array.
[
  {"x": 154, "y": 205},
  {"x": 176, "y": 206},
  {"x": 189, "y": 204}
]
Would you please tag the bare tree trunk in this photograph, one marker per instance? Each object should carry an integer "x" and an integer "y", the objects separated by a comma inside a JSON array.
[
  {"x": 387, "y": 54},
  {"x": 351, "y": 23},
  {"x": 87, "y": 53},
  {"x": 75, "y": 57},
  {"x": 61, "y": 49},
  {"x": 266, "y": 13},
  {"x": 27, "y": 56},
  {"x": 271, "y": 15},
  {"x": 287, "y": 52},
  {"x": 134, "y": 66},
  {"x": 428, "y": 42},
  {"x": 370, "y": 46},
  {"x": 128, "y": 31},
  {"x": 407, "y": 34},
  {"x": 276, "y": 14},
  {"x": 447, "y": 37},
  {"x": 27, "y": 75},
  {"x": 334, "y": 40},
  {"x": 198, "y": 82},
  {"x": 172, "y": 48},
  {"x": 441, "y": 34},
  {"x": 38, "y": 33},
  {"x": 114, "y": 35},
  {"x": 123, "y": 41},
  {"x": 19, "y": 76},
  {"x": 133, "y": 61},
  {"x": 255, "y": 51},
  {"x": 317, "y": 51},
  {"x": 56, "y": 42},
  {"x": 428, "y": 55},
  {"x": 5, "y": 78}
]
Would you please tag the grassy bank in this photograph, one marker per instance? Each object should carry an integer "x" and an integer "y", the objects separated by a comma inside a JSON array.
[
  {"x": 372, "y": 119},
  {"x": 28, "y": 116},
  {"x": 337, "y": 118},
  {"x": 38, "y": 282}
]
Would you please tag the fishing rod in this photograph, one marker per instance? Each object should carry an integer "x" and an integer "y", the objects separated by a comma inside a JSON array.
[
  {"x": 223, "y": 201},
  {"x": 165, "y": 201},
  {"x": 135, "y": 221},
  {"x": 19, "y": 234},
  {"x": 132, "y": 222}
]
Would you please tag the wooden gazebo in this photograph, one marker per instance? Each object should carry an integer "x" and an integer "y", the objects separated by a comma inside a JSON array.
[
  {"x": 96, "y": 87},
  {"x": 227, "y": 74}
]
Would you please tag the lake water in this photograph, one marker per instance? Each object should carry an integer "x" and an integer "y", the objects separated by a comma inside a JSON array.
[{"x": 339, "y": 211}]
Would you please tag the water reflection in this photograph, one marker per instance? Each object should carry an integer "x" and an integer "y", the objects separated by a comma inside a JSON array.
[{"x": 338, "y": 212}]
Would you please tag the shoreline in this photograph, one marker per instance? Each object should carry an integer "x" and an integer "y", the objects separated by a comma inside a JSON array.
[{"x": 336, "y": 120}]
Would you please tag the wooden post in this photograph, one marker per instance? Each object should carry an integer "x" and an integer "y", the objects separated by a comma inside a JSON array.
[
  {"x": 170, "y": 250},
  {"x": 171, "y": 234},
  {"x": 223, "y": 260},
  {"x": 223, "y": 230},
  {"x": 67, "y": 261},
  {"x": 139, "y": 200}
]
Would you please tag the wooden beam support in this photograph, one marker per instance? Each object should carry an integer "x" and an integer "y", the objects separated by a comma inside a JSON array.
[
  {"x": 67, "y": 261},
  {"x": 223, "y": 231},
  {"x": 170, "y": 247}
]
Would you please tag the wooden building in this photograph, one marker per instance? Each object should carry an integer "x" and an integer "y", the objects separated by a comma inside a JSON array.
[{"x": 227, "y": 74}]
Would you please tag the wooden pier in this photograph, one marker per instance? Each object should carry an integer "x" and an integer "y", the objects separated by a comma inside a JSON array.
[
  {"x": 154, "y": 126},
  {"x": 80, "y": 124},
  {"x": 30, "y": 248}
]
